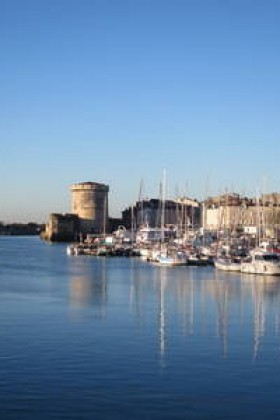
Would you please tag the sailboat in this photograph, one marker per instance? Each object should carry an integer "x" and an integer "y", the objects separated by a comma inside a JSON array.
[
  {"x": 167, "y": 256},
  {"x": 224, "y": 259},
  {"x": 261, "y": 260},
  {"x": 172, "y": 259}
]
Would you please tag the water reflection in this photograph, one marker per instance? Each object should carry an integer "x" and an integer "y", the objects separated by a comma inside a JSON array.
[
  {"x": 207, "y": 302},
  {"x": 203, "y": 302},
  {"x": 89, "y": 286},
  {"x": 265, "y": 291},
  {"x": 162, "y": 318}
]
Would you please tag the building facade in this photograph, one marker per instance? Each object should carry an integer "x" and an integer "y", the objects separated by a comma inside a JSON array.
[
  {"x": 182, "y": 212},
  {"x": 90, "y": 204},
  {"x": 61, "y": 227},
  {"x": 233, "y": 212}
]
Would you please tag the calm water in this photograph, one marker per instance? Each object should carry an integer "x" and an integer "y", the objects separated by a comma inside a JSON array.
[{"x": 94, "y": 338}]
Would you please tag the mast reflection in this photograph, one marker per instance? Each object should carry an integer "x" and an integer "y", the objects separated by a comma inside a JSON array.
[
  {"x": 265, "y": 294},
  {"x": 162, "y": 321},
  {"x": 229, "y": 306},
  {"x": 239, "y": 310}
]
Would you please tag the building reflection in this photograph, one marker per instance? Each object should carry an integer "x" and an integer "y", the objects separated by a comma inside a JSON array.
[{"x": 89, "y": 288}]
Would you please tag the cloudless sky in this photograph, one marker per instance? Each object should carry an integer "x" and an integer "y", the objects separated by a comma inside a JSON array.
[{"x": 116, "y": 91}]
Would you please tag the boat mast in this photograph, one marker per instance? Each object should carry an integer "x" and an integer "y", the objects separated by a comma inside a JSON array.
[
  {"x": 104, "y": 216},
  {"x": 132, "y": 224},
  {"x": 258, "y": 220},
  {"x": 140, "y": 199},
  {"x": 162, "y": 206}
]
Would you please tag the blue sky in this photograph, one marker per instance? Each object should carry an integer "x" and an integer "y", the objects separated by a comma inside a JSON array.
[{"x": 116, "y": 91}]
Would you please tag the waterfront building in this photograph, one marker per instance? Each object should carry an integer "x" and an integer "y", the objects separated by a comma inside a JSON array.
[
  {"x": 89, "y": 214},
  {"x": 189, "y": 211},
  {"x": 227, "y": 212},
  {"x": 61, "y": 227},
  {"x": 182, "y": 212},
  {"x": 90, "y": 204},
  {"x": 233, "y": 212}
]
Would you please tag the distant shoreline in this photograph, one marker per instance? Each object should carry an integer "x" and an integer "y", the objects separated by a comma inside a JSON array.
[{"x": 20, "y": 229}]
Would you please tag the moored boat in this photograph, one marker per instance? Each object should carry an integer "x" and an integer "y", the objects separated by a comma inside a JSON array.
[
  {"x": 227, "y": 264},
  {"x": 262, "y": 262},
  {"x": 172, "y": 259}
]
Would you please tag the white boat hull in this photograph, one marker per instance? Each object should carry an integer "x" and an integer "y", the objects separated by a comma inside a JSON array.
[
  {"x": 227, "y": 265},
  {"x": 171, "y": 261},
  {"x": 261, "y": 268},
  {"x": 262, "y": 262}
]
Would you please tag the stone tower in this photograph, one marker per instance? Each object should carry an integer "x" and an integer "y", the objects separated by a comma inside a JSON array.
[{"x": 90, "y": 204}]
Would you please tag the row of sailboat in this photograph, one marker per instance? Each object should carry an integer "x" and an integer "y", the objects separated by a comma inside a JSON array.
[{"x": 236, "y": 257}]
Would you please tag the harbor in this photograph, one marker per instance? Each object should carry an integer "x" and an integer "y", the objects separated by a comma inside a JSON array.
[
  {"x": 140, "y": 210},
  {"x": 230, "y": 231},
  {"x": 96, "y": 337},
  {"x": 238, "y": 253}
]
